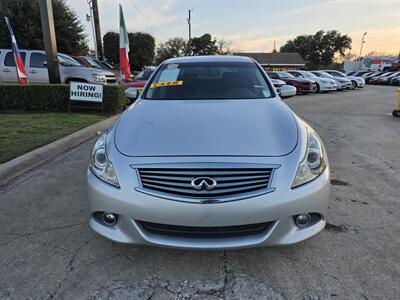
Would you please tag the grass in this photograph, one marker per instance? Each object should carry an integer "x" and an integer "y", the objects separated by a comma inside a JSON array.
[{"x": 23, "y": 132}]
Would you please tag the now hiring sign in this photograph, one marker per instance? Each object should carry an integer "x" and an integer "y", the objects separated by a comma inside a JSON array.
[{"x": 82, "y": 91}]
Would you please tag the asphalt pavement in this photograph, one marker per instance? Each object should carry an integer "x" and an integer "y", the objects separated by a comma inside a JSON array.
[{"x": 48, "y": 251}]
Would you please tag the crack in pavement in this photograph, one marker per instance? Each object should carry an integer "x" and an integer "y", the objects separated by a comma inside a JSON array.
[
  {"x": 70, "y": 270},
  {"x": 24, "y": 234}
]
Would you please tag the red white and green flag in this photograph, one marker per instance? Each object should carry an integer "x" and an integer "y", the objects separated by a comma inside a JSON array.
[
  {"x": 123, "y": 47},
  {"x": 19, "y": 64}
]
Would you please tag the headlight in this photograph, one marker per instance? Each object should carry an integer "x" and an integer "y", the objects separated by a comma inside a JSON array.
[
  {"x": 313, "y": 163},
  {"x": 99, "y": 77},
  {"x": 100, "y": 165}
]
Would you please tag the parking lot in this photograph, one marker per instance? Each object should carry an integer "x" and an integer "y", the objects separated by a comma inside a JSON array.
[{"x": 48, "y": 251}]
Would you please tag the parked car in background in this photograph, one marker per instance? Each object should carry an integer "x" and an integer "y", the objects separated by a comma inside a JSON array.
[
  {"x": 140, "y": 80},
  {"x": 36, "y": 67},
  {"x": 323, "y": 84},
  {"x": 277, "y": 84},
  {"x": 387, "y": 79},
  {"x": 287, "y": 91},
  {"x": 87, "y": 61},
  {"x": 395, "y": 66},
  {"x": 302, "y": 85},
  {"x": 368, "y": 76},
  {"x": 359, "y": 73},
  {"x": 208, "y": 158},
  {"x": 376, "y": 79},
  {"x": 342, "y": 83},
  {"x": 356, "y": 82},
  {"x": 396, "y": 81}
]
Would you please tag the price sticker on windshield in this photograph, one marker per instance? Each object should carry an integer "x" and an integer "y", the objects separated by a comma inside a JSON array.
[{"x": 167, "y": 83}]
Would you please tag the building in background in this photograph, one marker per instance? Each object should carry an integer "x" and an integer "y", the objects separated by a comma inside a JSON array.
[{"x": 277, "y": 61}]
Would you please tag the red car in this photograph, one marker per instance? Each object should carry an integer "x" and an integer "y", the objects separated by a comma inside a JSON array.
[
  {"x": 302, "y": 85},
  {"x": 377, "y": 79},
  {"x": 140, "y": 80}
]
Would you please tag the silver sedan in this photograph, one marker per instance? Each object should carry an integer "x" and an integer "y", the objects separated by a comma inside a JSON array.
[{"x": 208, "y": 157}]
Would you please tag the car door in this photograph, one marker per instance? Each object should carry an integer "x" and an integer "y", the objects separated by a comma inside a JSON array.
[
  {"x": 37, "y": 68},
  {"x": 8, "y": 69}
]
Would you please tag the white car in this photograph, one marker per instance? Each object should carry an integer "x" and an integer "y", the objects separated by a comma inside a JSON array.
[
  {"x": 36, "y": 67},
  {"x": 342, "y": 83},
  {"x": 356, "y": 82},
  {"x": 323, "y": 84},
  {"x": 278, "y": 84}
]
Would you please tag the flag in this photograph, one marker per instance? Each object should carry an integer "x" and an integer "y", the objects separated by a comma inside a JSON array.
[
  {"x": 19, "y": 64},
  {"x": 123, "y": 47}
]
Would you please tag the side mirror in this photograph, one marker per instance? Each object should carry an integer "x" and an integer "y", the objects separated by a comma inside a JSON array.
[
  {"x": 287, "y": 91},
  {"x": 131, "y": 93},
  {"x": 45, "y": 64}
]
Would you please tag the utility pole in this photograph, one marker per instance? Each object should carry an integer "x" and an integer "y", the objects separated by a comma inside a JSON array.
[
  {"x": 91, "y": 19},
  {"x": 49, "y": 40},
  {"x": 96, "y": 20},
  {"x": 189, "y": 20},
  {"x": 362, "y": 43}
]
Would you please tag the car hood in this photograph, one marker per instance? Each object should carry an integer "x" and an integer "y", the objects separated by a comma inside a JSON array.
[
  {"x": 355, "y": 78},
  {"x": 341, "y": 78},
  {"x": 255, "y": 127}
]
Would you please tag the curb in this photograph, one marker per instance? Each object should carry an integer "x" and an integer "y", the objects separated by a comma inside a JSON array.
[{"x": 23, "y": 164}]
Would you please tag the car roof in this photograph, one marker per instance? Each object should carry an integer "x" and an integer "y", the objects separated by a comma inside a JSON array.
[{"x": 210, "y": 58}]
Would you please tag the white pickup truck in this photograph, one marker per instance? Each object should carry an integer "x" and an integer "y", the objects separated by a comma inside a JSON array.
[{"x": 36, "y": 67}]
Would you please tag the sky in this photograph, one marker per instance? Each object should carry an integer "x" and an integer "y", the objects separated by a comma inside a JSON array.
[{"x": 254, "y": 25}]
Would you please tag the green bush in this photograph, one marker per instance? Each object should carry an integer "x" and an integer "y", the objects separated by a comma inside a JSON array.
[{"x": 55, "y": 97}]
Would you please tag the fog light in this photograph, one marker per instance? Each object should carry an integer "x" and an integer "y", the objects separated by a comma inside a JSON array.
[
  {"x": 302, "y": 220},
  {"x": 109, "y": 218}
]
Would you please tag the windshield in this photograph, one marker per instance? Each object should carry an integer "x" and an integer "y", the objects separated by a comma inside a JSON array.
[
  {"x": 93, "y": 63},
  {"x": 144, "y": 75},
  {"x": 67, "y": 61},
  {"x": 338, "y": 74},
  {"x": 323, "y": 74},
  {"x": 308, "y": 74},
  {"x": 208, "y": 80},
  {"x": 285, "y": 75}
]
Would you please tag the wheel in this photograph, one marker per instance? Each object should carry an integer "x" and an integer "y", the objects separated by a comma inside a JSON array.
[
  {"x": 317, "y": 88},
  {"x": 353, "y": 85},
  {"x": 396, "y": 113}
]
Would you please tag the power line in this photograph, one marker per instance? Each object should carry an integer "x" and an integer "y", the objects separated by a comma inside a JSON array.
[{"x": 147, "y": 19}]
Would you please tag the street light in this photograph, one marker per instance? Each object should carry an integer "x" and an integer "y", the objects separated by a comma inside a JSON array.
[{"x": 362, "y": 43}]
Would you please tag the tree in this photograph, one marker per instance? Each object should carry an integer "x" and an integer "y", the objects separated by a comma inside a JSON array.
[
  {"x": 111, "y": 46},
  {"x": 141, "y": 50},
  {"x": 319, "y": 49},
  {"x": 224, "y": 47},
  {"x": 204, "y": 45},
  {"x": 174, "y": 47},
  {"x": 25, "y": 20}
]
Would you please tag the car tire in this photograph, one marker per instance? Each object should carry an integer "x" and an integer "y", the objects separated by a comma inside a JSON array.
[
  {"x": 353, "y": 85},
  {"x": 318, "y": 88},
  {"x": 396, "y": 113}
]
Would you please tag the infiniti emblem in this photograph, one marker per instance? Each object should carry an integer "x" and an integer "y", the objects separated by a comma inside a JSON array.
[{"x": 201, "y": 183}]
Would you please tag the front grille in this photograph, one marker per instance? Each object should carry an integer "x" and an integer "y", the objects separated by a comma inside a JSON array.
[
  {"x": 231, "y": 183},
  {"x": 205, "y": 232},
  {"x": 111, "y": 79}
]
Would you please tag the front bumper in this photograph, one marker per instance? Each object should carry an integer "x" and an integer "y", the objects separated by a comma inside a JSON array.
[
  {"x": 360, "y": 83},
  {"x": 324, "y": 87},
  {"x": 277, "y": 207},
  {"x": 343, "y": 85}
]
